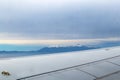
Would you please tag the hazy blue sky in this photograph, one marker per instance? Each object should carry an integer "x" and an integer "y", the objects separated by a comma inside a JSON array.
[{"x": 59, "y": 19}]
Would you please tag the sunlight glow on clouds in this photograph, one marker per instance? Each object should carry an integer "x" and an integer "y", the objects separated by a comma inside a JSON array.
[{"x": 57, "y": 42}]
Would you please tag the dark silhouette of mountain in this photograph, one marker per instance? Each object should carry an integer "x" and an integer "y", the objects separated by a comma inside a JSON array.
[
  {"x": 64, "y": 49},
  {"x": 47, "y": 50}
]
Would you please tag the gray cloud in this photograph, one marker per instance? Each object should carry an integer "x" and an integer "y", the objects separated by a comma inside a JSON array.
[{"x": 68, "y": 21}]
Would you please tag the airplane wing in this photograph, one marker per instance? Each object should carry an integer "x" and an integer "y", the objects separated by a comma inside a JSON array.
[{"x": 98, "y": 64}]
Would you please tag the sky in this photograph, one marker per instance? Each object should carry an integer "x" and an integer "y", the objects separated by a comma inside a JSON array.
[{"x": 58, "y": 20}]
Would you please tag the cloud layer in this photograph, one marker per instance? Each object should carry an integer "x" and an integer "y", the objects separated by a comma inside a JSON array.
[{"x": 59, "y": 19}]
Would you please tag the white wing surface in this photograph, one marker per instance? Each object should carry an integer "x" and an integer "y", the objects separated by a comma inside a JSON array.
[{"x": 98, "y": 64}]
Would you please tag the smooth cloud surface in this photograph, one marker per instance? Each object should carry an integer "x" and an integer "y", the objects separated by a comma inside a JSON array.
[{"x": 59, "y": 19}]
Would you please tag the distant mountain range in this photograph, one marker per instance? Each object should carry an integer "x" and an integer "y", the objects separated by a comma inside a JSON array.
[
  {"x": 64, "y": 49},
  {"x": 49, "y": 50}
]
